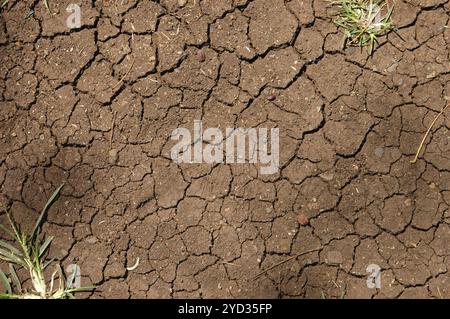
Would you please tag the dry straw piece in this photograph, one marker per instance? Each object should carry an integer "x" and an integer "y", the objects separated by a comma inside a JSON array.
[{"x": 419, "y": 149}]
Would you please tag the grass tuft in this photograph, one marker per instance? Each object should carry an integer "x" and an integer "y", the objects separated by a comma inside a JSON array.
[
  {"x": 28, "y": 252},
  {"x": 363, "y": 21}
]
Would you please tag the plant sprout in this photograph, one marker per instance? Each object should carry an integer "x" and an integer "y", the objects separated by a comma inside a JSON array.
[
  {"x": 363, "y": 21},
  {"x": 29, "y": 253}
]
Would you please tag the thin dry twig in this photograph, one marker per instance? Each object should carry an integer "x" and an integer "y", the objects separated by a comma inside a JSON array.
[
  {"x": 285, "y": 261},
  {"x": 165, "y": 35},
  {"x": 230, "y": 264},
  {"x": 126, "y": 74},
  {"x": 440, "y": 294},
  {"x": 113, "y": 125},
  {"x": 426, "y": 135}
]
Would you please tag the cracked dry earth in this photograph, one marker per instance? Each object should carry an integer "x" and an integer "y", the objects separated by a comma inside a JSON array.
[{"x": 94, "y": 108}]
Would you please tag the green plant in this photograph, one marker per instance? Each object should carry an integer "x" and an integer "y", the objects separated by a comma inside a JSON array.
[
  {"x": 29, "y": 254},
  {"x": 324, "y": 296},
  {"x": 363, "y": 21}
]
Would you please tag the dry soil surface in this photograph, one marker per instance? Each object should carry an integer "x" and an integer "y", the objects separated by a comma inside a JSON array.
[{"x": 95, "y": 106}]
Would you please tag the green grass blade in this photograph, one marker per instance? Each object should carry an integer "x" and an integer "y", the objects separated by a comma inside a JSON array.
[
  {"x": 48, "y": 263},
  {"x": 390, "y": 12},
  {"x": 10, "y": 257},
  {"x": 45, "y": 246},
  {"x": 5, "y": 283},
  {"x": 6, "y": 230},
  {"x": 61, "y": 277},
  {"x": 47, "y": 6},
  {"x": 10, "y": 248},
  {"x": 16, "y": 228},
  {"x": 81, "y": 289},
  {"x": 50, "y": 202},
  {"x": 73, "y": 276},
  {"x": 14, "y": 278},
  {"x": 9, "y": 296}
]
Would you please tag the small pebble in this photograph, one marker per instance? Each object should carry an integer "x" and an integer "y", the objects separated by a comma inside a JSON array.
[
  {"x": 182, "y": 3},
  {"x": 271, "y": 97},
  {"x": 432, "y": 75},
  {"x": 302, "y": 219},
  {"x": 201, "y": 56},
  {"x": 408, "y": 202}
]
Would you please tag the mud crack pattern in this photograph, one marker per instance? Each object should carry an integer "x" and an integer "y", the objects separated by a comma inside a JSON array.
[{"x": 95, "y": 106}]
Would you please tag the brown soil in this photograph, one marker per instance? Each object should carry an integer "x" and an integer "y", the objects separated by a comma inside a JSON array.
[{"x": 94, "y": 107}]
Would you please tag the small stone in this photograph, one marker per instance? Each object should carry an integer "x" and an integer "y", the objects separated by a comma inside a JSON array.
[
  {"x": 432, "y": 75},
  {"x": 271, "y": 97},
  {"x": 201, "y": 56},
  {"x": 408, "y": 202},
  {"x": 302, "y": 219},
  {"x": 182, "y": 3}
]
